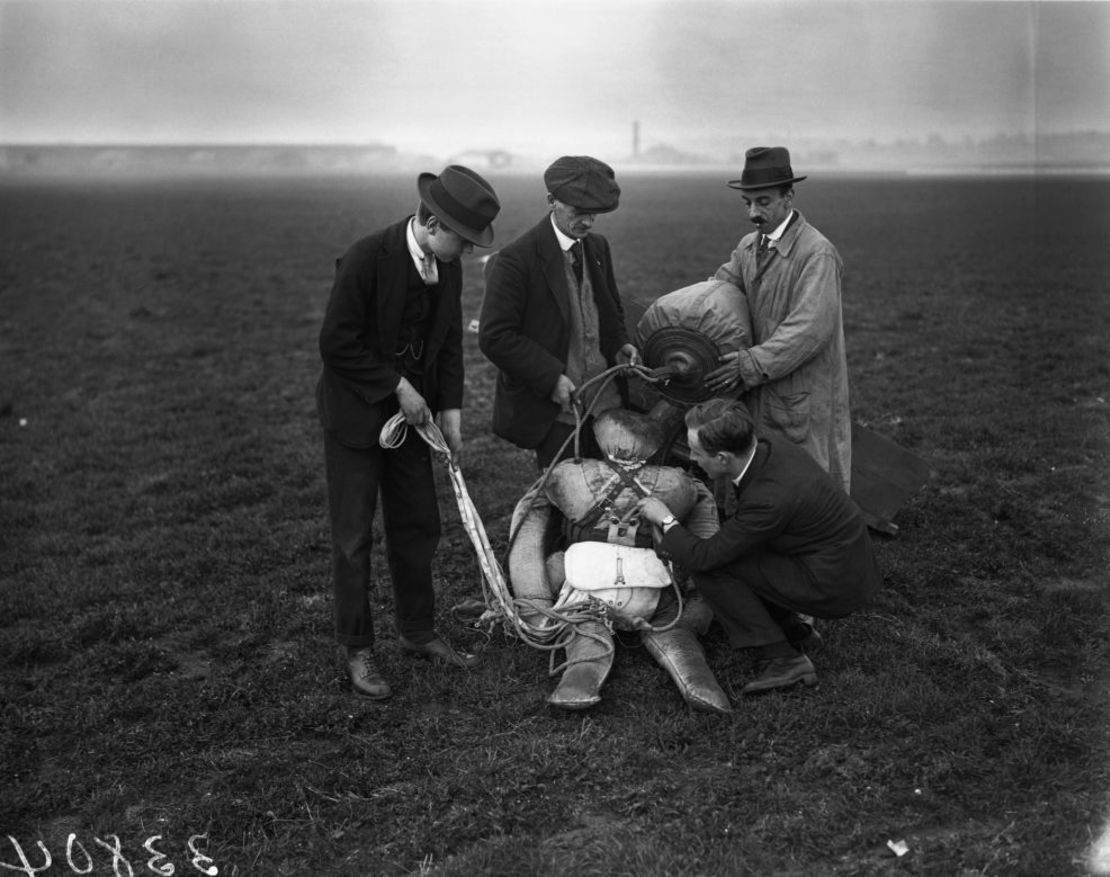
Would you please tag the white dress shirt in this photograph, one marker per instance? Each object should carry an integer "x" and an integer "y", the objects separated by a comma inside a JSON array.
[{"x": 425, "y": 262}]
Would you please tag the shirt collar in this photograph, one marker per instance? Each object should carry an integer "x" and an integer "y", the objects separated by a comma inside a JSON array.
[
  {"x": 736, "y": 481},
  {"x": 425, "y": 263},
  {"x": 565, "y": 241},
  {"x": 778, "y": 232},
  {"x": 414, "y": 248}
]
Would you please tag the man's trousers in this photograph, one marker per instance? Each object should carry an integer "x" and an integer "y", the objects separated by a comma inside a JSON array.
[{"x": 410, "y": 518}]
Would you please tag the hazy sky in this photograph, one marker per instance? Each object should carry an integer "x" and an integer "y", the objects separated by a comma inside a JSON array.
[{"x": 547, "y": 76}]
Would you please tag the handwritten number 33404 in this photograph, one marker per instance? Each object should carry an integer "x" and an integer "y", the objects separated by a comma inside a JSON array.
[{"x": 81, "y": 862}]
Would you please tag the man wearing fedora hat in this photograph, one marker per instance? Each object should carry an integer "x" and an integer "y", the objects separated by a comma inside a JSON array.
[
  {"x": 552, "y": 315},
  {"x": 392, "y": 342},
  {"x": 795, "y": 376}
]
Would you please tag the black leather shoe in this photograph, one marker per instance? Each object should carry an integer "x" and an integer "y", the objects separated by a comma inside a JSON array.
[
  {"x": 782, "y": 673},
  {"x": 438, "y": 650},
  {"x": 365, "y": 678}
]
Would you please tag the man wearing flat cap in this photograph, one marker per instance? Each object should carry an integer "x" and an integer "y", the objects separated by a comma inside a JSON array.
[
  {"x": 552, "y": 317},
  {"x": 392, "y": 342},
  {"x": 794, "y": 378}
]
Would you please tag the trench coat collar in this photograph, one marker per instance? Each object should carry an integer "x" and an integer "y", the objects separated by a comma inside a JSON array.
[
  {"x": 786, "y": 241},
  {"x": 790, "y": 235}
]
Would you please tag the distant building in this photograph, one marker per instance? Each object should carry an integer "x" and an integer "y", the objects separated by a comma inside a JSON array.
[{"x": 483, "y": 159}]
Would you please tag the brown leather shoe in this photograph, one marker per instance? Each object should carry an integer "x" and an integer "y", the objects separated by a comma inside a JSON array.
[
  {"x": 438, "y": 650},
  {"x": 365, "y": 678},
  {"x": 781, "y": 673}
]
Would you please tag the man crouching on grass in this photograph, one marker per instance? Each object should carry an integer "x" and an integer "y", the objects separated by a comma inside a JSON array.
[
  {"x": 392, "y": 341},
  {"x": 797, "y": 545}
]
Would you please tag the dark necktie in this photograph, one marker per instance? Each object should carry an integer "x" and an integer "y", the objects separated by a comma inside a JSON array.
[
  {"x": 763, "y": 250},
  {"x": 576, "y": 260}
]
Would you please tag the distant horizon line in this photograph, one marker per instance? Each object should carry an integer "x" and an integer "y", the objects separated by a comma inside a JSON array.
[
  {"x": 1015, "y": 156},
  {"x": 920, "y": 138}
]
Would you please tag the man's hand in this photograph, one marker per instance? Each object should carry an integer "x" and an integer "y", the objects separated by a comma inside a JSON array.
[
  {"x": 450, "y": 424},
  {"x": 561, "y": 394},
  {"x": 628, "y": 355},
  {"x": 653, "y": 509},
  {"x": 726, "y": 378},
  {"x": 413, "y": 406}
]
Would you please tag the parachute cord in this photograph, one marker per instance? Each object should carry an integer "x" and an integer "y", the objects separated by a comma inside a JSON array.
[
  {"x": 570, "y": 631},
  {"x": 651, "y": 376},
  {"x": 555, "y": 627},
  {"x": 580, "y": 417}
]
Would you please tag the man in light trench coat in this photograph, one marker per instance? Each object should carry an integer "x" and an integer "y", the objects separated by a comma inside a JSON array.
[{"x": 795, "y": 376}]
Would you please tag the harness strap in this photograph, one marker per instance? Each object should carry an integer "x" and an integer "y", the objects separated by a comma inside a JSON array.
[{"x": 625, "y": 479}]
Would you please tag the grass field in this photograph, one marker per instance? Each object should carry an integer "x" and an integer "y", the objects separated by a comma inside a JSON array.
[{"x": 168, "y": 676}]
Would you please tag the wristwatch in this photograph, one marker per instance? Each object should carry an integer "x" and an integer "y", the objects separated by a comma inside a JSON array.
[{"x": 668, "y": 522}]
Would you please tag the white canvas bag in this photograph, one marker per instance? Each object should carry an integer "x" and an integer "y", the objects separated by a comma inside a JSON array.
[{"x": 625, "y": 578}]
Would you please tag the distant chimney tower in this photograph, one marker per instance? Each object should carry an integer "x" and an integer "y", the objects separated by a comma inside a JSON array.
[{"x": 635, "y": 139}]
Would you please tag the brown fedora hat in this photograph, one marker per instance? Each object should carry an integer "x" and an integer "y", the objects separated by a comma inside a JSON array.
[
  {"x": 463, "y": 201},
  {"x": 764, "y": 167}
]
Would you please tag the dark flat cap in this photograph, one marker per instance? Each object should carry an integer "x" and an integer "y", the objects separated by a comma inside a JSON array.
[{"x": 584, "y": 183}]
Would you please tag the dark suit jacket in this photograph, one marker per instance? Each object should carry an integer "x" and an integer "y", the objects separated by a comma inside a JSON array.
[
  {"x": 524, "y": 327},
  {"x": 788, "y": 506},
  {"x": 354, "y": 396}
]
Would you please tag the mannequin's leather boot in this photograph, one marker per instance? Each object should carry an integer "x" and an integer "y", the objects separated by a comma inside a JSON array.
[
  {"x": 679, "y": 652},
  {"x": 589, "y": 659}
]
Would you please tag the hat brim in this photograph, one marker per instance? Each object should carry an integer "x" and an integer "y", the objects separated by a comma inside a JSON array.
[
  {"x": 592, "y": 209},
  {"x": 478, "y": 237},
  {"x": 738, "y": 184}
]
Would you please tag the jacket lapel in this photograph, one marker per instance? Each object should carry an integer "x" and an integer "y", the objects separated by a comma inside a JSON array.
[
  {"x": 392, "y": 274},
  {"x": 442, "y": 310},
  {"x": 590, "y": 262},
  {"x": 554, "y": 266}
]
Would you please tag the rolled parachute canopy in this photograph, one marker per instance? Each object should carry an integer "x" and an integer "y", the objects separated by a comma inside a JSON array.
[{"x": 687, "y": 331}]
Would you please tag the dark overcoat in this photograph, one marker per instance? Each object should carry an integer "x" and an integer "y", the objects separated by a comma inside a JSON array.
[
  {"x": 358, "y": 341},
  {"x": 525, "y": 326},
  {"x": 797, "y": 527}
]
